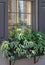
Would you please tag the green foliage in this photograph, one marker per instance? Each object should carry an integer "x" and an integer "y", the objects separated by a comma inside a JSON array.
[
  {"x": 23, "y": 44},
  {"x": 27, "y": 33}
]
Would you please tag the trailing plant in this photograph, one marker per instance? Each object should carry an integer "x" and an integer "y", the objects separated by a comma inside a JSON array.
[{"x": 23, "y": 44}]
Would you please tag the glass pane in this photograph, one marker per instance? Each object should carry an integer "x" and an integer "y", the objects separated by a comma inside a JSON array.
[
  {"x": 13, "y": 18},
  {"x": 28, "y": 7},
  {"x": 28, "y": 19},
  {"x": 13, "y": 4},
  {"x": 9, "y": 18},
  {"x": 19, "y": 10},
  {"x": 21, "y": 6},
  {"x": 9, "y": 5},
  {"x": 25, "y": 6},
  {"x": 21, "y": 17}
]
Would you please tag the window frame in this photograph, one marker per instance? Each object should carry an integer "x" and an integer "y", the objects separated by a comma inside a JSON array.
[{"x": 33, "y": 20}]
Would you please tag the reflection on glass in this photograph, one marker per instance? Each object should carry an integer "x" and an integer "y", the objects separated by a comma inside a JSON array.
[
  {"x": 19, "y": 10},
  {"x": 25, "y": 11},
  {"x": 21, "y": 4}
]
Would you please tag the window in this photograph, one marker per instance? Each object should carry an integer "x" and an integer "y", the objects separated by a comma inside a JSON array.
[{"x": 19, "y": 11}]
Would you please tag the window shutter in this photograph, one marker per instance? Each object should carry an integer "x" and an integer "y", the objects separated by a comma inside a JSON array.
[
  {"x": 3, "y": 19},
  {"x": 41, "y": 21}
]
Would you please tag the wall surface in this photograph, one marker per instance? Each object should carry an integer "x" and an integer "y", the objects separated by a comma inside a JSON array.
[{"x": 4, "y": 61}]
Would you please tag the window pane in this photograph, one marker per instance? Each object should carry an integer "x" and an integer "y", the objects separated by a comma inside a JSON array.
[
  {"x": 25, "y": 6},
  {"x": 9, "y": 5},
  {"x": 21, "y": 6},
  {"x": 9, "y": 18},
  {"x": 27, "y": 19},
  {"x": 13, "y": 4},
  {"x": 19, "y": 10},
  {"x": 28, "y": 7},
  {"x": 21, "y": 17}
]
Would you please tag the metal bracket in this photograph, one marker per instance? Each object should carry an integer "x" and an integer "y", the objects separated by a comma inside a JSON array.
[{"x": 36, "y": 60}]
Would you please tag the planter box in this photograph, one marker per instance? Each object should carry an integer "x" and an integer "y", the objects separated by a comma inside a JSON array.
[{"x": 4, "y": 61}]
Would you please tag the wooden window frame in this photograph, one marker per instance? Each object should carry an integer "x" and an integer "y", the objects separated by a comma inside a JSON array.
[{"x": 34, "y": 14}]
